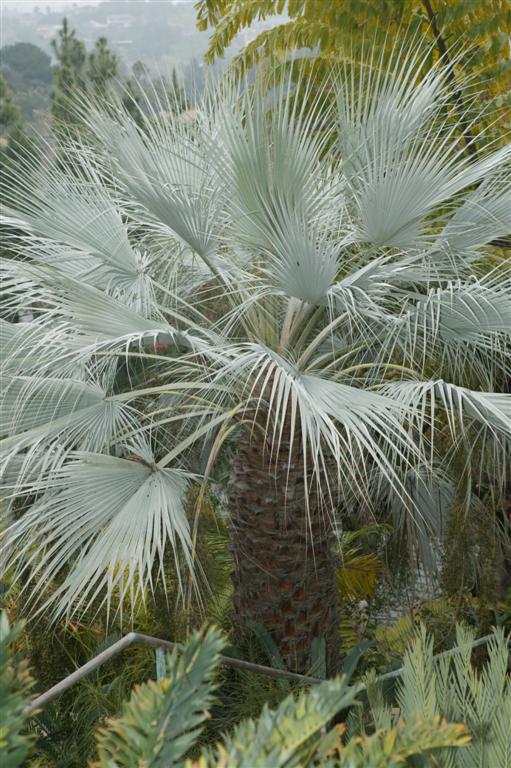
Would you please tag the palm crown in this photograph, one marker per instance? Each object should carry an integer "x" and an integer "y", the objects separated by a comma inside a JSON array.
[{"x": 307, "y": 283}]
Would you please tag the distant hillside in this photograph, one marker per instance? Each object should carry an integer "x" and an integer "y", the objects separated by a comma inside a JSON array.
[
  {"x": 28, "y": 72},
  {"x": 162, "y": 33}
]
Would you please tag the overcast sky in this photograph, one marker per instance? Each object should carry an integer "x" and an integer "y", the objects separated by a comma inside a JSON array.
[{"x": 28, "y": 5}]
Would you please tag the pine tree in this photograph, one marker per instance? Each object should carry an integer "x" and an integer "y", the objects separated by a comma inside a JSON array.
[
  {"x": 78, "y": 73},
  {"x": 102, "y": 66},
  {"x": 15, "y": 142},
  {"x": 69, "y": 78}
]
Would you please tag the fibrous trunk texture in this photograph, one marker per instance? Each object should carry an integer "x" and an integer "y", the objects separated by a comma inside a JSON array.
[{"x": 284, "y": 568}]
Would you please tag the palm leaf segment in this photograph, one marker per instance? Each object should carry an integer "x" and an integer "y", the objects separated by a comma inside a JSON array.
[{"x": 274, "y": 262}]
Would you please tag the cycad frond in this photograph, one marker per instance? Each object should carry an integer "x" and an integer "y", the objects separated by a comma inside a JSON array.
[
  {"x": 292, "y": 735},
  {"x": 452, "y": 687},
  {"x": 163, "y": 719},
  {"x": 15, "y": 685}
]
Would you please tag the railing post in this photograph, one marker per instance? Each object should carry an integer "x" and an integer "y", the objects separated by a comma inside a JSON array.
[{"x": 160, "y": 664}]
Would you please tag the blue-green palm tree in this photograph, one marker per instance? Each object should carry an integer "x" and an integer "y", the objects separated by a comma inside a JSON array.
[{"x": 305, "y": 283}]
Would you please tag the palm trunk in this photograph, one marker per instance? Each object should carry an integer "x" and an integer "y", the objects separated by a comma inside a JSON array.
[{"x": 284, "y": 569}]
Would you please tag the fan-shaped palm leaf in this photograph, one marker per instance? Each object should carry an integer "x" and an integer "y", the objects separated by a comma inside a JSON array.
[{"x": 111, "y": 518}]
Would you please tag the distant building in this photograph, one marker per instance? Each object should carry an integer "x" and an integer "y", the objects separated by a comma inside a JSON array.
[
  {"x": 48, "y": 31},
  {"x": 120, "y": 20},
  {"x": 188, "y": 116}
]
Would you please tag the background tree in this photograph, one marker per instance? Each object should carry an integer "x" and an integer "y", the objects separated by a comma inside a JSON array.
[
  {"x": 103, "y": 66},
  {"x": 77, "y": 74},
  {"x": 28, "y": 62},
  {"x": 28, "y": 72},
  {"x": 15, "y": 143},
  {"x": 69, "y": 77},
  {"x": 9, "y": 112},
  {"x": 338, "y": 29},
  {"x": 135, "y": 86},
  {"x": 142, "y": 94}
]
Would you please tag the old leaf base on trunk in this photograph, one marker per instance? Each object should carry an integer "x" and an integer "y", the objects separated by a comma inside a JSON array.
[{"x": 284, "y": 568}]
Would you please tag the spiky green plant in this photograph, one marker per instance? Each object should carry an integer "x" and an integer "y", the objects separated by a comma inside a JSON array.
[
  {"x": 450, "y": 686},
  {"x": 162, "y": 721},
  {"x": 395, "y": 746},
  {"x": 15, "y": 685},
  {"x": 297, "y": 289}
]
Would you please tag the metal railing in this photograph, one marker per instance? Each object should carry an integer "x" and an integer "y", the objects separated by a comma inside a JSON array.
[{"x": 136, "y": 638}]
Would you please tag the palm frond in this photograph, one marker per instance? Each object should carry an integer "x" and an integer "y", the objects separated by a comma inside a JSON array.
[
  {"x": 402, "y": 159},
  {"x": 166, "y": 171},
  {"x": 92, "y": 423},
  {"x": 426, "y": 398},
  {"x": 483, "y": 216},
  {"x": 27, "y": 402},
  {"x": 283, "y": 194},
  {"x": 78, "y": 211},
  {"x": 335, "y": 423},
  {"x": 72, "y": 306},
  {"x": 99, "y": 526},
  {"x": 465, "y": 311}
]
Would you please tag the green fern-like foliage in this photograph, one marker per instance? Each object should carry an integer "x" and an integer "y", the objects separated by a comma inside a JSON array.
[
  {"x": 15, "y": 684},
  {"x": 291, "y": 736},
  {"x": 160, "y": 725},
  {"x": 451, "y": 687},
  {"x": 162, "y": 720},
  {"x": 393, "y": 747}
]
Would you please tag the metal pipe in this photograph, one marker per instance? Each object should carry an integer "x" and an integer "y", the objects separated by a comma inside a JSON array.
[
  {"x": 229, "y": 661},
  {"x": 78, "y": 674}
]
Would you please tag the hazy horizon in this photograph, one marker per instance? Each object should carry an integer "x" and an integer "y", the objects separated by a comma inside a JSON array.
[
  {"x": 174, "y": 35},
  {"x": 162, "y": 33},
  {"x": 27, "y": 6}
]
